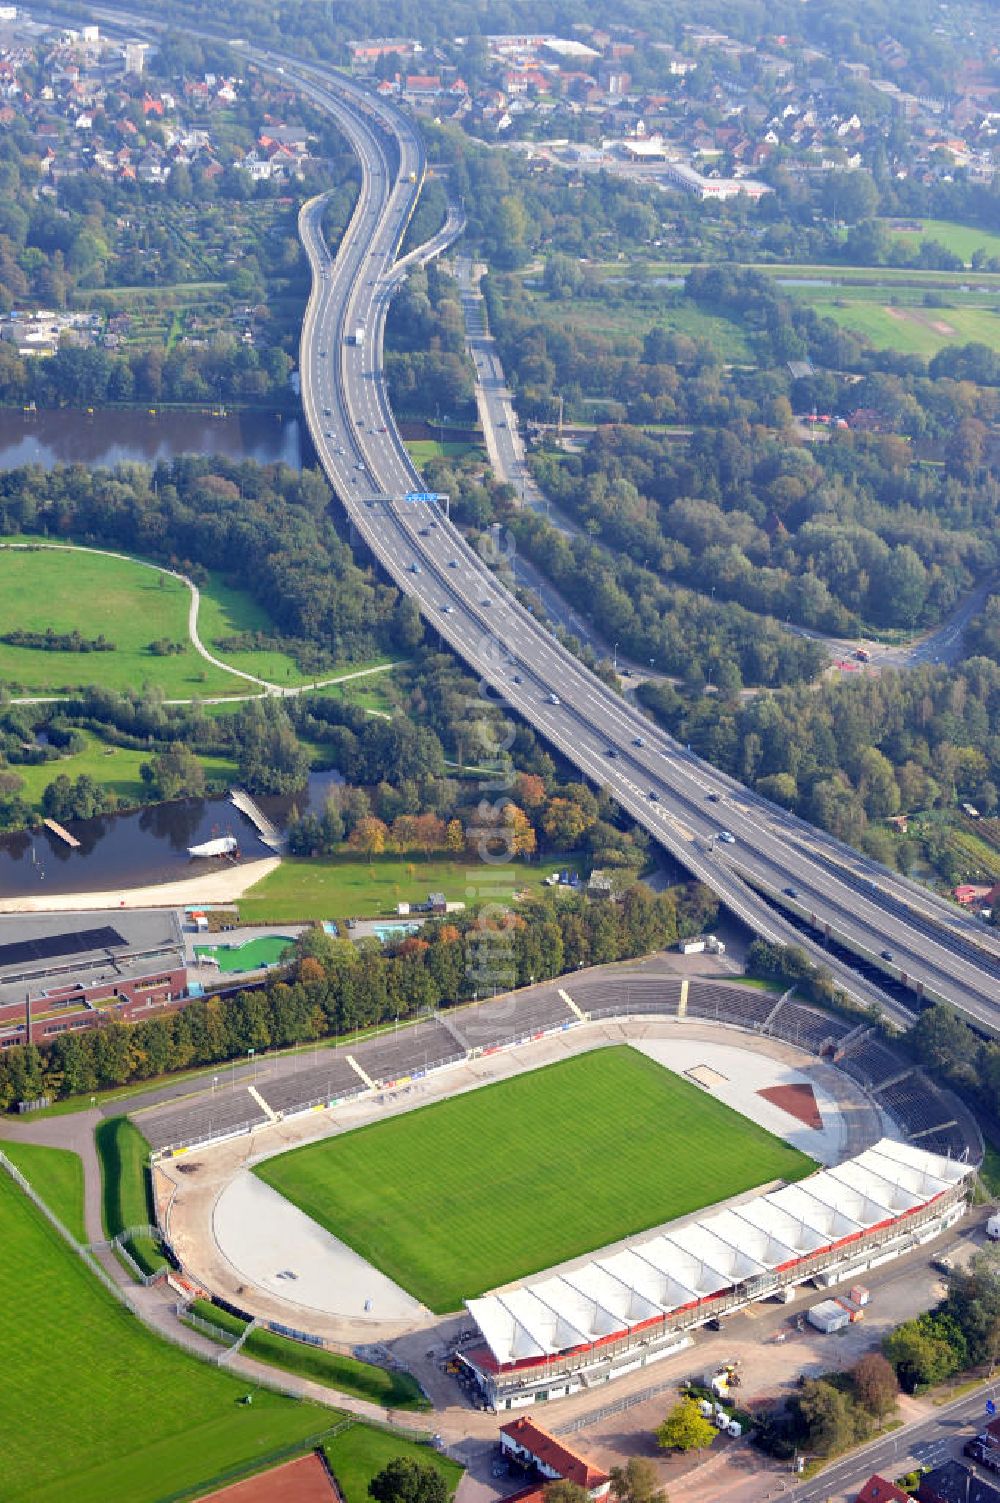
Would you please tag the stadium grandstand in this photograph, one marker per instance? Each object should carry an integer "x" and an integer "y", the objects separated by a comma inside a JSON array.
[
  {"x": 601, "y": 1318},
  {"x": 924, "y": 1113}
]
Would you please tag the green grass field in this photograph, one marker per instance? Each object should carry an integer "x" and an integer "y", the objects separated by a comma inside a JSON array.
[
  {"x": 337, "y": 887},
  {"x": 910, "y": 329},
  {"x": 114, "y": 767},
  {"x": 94, "y": 1407},
  {"x": 249, "y": 957},
  {"x": 132, "y": 605},
  {"x": 126, "y": 1192},
  {"x": 961, "y": 239},
  {"x": 635, "y": 320},
  {"x": 56, "y": 1174},
  {"x": 360, "y": 1452},
  {"x": 471, "y": 1193},
  {"x": 422, "y": 450}
]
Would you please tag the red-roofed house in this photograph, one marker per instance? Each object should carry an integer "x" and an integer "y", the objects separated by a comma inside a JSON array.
[
  {"x": 529, "y": 1443},
  {"x": 877, "y": 1490}
]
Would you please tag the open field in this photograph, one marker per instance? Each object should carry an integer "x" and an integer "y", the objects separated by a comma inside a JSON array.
[
  {"x": 421, "y": 450},
  {"x": 961, "y": 239},
  {"x": 573, "y": 1156},
  {"x": 392, "y": 1390},
  {"x": 336, "y": 887},
  {"x": 89, "y": 592},
  {"x": 360, "y": 1452},
  {"x": 910, "y": 329},
  {"x": 56, "y": 1174},
  {"x": 634, "y": 320},
  {"x": 94, "y": 1406}
]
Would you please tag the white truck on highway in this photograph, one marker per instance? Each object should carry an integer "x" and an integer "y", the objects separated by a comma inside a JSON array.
[{"x": 358, "y": 335}]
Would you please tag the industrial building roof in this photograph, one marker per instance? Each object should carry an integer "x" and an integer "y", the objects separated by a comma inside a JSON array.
[
  {"x": 40, "y": 952},
  {"x": 690, "y": 1260}
]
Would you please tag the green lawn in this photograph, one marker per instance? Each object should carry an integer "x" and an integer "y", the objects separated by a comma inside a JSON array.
[
  {"x": 94, "y": 1407},
  {"x": 363, "y": 1380},
  {"x": 910, "y": 329},
  {"x": 350, "y": 887},
  {"x": 131, "y": 604},
  {"x": 126, "y": 1191},
  {"x": 474, "y": 1192},
  {"x": 114, "y": 767},
  {"x": 635, "y": 319},
  {"x": 961, "y": 239},
  {"x": 422, "y": 450},
  {"x": 249, "y": 957},
  {"x": 56, "y": 1174},
  {"x": 360, "y": 1452}
]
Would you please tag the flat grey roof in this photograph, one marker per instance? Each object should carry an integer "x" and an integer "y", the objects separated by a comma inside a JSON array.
[{"x": 40, "y": 952}]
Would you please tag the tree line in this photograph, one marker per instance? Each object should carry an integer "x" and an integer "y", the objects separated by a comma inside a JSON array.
[{"x": 334, "y": 987}]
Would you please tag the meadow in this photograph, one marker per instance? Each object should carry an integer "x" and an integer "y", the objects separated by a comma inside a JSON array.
[
  {"x": 349, "y": 886},
  {"x": 471, "y": 1193}
]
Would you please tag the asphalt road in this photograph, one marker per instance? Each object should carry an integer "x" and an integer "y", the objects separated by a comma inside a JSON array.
[{"x": 683, "y": 802}]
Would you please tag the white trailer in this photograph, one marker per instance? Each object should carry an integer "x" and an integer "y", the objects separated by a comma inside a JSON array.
[{"x": 828, "y": 1316}]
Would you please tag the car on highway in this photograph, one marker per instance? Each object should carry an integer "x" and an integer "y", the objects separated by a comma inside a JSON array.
[
  {"x": 610, "y": 752},
  {"x": 886, "y": 954},
  {"x": 790, "y": 892},
  {"x": 654, "y": 797},
  {"x": 727, "y": 837},
  {"x": 638, "y": 741},
  {"x": 453, "y": 563},
  {"x": 449, "y": 610},
  {"x": 713, "y": 798},
  {"x": 327, "y": 412},
  {"x": 359, "y": 464},
  {"x": 486, "y": 600},
  {"x": 414, "y": 568},
  {"x": 553, "y": 699}
]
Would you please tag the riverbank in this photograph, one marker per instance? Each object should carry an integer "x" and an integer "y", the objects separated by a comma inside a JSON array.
[{"x": 221, "y": 886}]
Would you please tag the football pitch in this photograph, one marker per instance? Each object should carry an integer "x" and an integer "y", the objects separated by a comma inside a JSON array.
[
  {"x": 94, "y": 1407},
  {"x": 471, "y": 1193}
]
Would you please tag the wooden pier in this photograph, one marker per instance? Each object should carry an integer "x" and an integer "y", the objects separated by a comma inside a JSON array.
[
  {"x": 57, "y": 829},
  {"x": 268, "y": 832}
]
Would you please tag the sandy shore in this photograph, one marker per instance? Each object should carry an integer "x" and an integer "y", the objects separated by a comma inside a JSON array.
[{"x": 221, "y": 886}]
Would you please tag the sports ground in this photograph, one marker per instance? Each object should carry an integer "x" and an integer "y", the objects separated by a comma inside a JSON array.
[
  {"x": 470, "y": 1193},
  {"x": 252, "y": 956},
  {"x": 93, "y": 1406}
]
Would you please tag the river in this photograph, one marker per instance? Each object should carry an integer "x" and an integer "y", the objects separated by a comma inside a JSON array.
[
  {"x": 142, "y": 847},
  {"x": 110, "y": 436}
]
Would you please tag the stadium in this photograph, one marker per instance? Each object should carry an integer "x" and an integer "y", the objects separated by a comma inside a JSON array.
[{"x": 589, "y": 1172}]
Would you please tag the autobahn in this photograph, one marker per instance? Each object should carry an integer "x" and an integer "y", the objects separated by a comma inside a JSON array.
[{"x": 752, "y": 853}]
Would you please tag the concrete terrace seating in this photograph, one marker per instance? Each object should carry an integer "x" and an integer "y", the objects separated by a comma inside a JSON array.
[
  {"x": 328, "y": 1077},
  {"x": 413, "y": 1049},
  {"x": 870, "y": 1062},
  {"x": 743, "y": 1006},
  {"x": 489, "y": 1024},
  {"x": 806, "y": 1027},
  {"x": 602, "y": 996},
  {"x": 226, "y": 1111}
]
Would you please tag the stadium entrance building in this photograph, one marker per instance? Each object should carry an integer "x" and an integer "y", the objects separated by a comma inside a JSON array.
[{"x": 598, "y": 1320}]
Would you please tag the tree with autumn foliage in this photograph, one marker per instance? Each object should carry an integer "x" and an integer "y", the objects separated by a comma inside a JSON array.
[{"x": 369, "y": 835}]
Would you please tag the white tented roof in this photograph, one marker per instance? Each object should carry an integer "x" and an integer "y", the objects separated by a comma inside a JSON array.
[{"x": 608, "y": 1296}]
